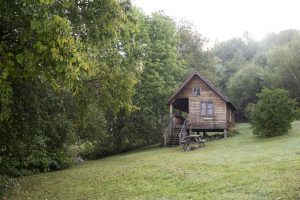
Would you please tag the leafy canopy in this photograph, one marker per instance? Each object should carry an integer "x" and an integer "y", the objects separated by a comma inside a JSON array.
[{"x": 245, "y": 84}]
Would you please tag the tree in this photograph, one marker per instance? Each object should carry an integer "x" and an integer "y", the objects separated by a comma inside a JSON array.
[
  {"x": 190, "y": 48},
  {"x": 232, "y": 55},
  {"x": 226, "y": 50},
  {"x": 244, "y": 85},
  {"x": 162, "y": 71},
  {"x": 273, "y": 113},
  {"x": 284, "y": 66},
  {"x": 63, "y": 66},
  {"x": 41, "y": 61},
  {"x": 282, "y": 38},
  {"x": 163, "y": 67},
  {"x": 229, "y": 68}
]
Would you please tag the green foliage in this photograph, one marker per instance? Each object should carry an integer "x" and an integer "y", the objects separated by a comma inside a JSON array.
[
  {"x": 190, "y": 48},
  {"x": 38, "y": 129},
  {"x": 58, "y": 68},
  {"x": 232, "y": 55},
  {"x": 162, "y": 70},
  {"x": 39, "y": 46},
  {"x": 284, "y": 66},
  {"x": 245, "y": 84},
  {"x": 273, "y": 113},
  {"x": 229, "y": 68},
  {"x": 159, "y": 74},
  {"x": 91, "y": 78},
  {"x": 244, "y": 66},
  {"x": 227, "y": 50},
  {"x": 283, "y": 37}
]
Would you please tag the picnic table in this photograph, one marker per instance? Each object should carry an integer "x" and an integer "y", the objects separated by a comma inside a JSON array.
[{"x": 193, "y": 140}]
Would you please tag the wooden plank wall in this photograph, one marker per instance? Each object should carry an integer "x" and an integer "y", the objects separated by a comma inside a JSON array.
[
  {"x": 228, "y": 113},
  {"x": 218, "y": 121}
]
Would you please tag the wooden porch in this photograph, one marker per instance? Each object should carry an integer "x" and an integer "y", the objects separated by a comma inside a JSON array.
[
  {"x": 179, "y": 128},
  {"x": 199, "y": 123}
]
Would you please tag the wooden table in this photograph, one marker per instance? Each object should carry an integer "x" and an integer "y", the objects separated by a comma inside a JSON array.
[{"x": 193, "y": 139}]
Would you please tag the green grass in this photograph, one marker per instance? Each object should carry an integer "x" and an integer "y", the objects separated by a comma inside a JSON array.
[{"x": 240, "y": 167}]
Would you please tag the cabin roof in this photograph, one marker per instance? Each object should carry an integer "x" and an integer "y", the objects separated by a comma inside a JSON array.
[{"x": 216, "y": 90}]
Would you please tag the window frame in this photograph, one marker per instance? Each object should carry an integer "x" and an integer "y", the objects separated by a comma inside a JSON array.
[
  {"x": 193, "y": 89},
  {"x": 206, "y": 109}
]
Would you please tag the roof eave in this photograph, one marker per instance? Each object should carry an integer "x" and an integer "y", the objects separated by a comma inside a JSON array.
[{"x": 181, "y": 87}]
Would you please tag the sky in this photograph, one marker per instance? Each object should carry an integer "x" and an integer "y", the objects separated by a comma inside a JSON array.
[{"x": 223, "y": 19}]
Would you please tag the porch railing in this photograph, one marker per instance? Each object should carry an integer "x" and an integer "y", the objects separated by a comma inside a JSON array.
[
  {"x": 168, "y": 131},
  {"x": 183, "y": 132}
]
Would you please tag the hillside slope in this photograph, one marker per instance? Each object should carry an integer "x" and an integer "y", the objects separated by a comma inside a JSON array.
[{"x": 240, "y": 167}]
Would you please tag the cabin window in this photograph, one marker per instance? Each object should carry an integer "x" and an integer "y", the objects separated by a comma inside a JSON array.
[
  {"x": 196, "y": 91},
  {"x": 207, "y": 109}
]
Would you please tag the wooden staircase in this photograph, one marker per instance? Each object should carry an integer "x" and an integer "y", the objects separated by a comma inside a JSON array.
[
  {"x": 174, "y": 134},
  {"x": 173, "y": 137}
]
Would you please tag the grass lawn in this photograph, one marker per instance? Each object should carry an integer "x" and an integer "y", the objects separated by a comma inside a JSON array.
[{"x": 240, "y": 167}]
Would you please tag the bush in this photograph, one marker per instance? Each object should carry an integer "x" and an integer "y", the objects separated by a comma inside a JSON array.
[{"x": 273, "y": 113}]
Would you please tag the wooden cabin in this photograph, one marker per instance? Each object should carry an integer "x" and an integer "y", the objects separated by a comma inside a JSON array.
[{"x": 202, "y": 108}]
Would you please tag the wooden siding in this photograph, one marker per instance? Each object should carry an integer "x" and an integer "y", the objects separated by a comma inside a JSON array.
[
  {"x": 230, "y": 117},
  {"x": 219, "y": 120}
]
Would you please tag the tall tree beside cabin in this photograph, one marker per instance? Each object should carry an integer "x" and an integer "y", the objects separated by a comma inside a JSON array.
[{"x": 198, "y": 106}]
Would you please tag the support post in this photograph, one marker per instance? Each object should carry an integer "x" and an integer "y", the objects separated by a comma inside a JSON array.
[
  {"x": 204, "y": 135},
  {"x": 225, "y": 133},
  {"x": 171, "y": 110},
  {"x": 190, "y": 131}
]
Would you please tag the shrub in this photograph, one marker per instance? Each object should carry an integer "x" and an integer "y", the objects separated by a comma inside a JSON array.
[
  {"x": 273, "y": 113},
  {"x": 61, "y": 160}
]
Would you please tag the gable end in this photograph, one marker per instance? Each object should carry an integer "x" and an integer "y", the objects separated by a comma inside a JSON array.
[{"x": 210, "y": 85}]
